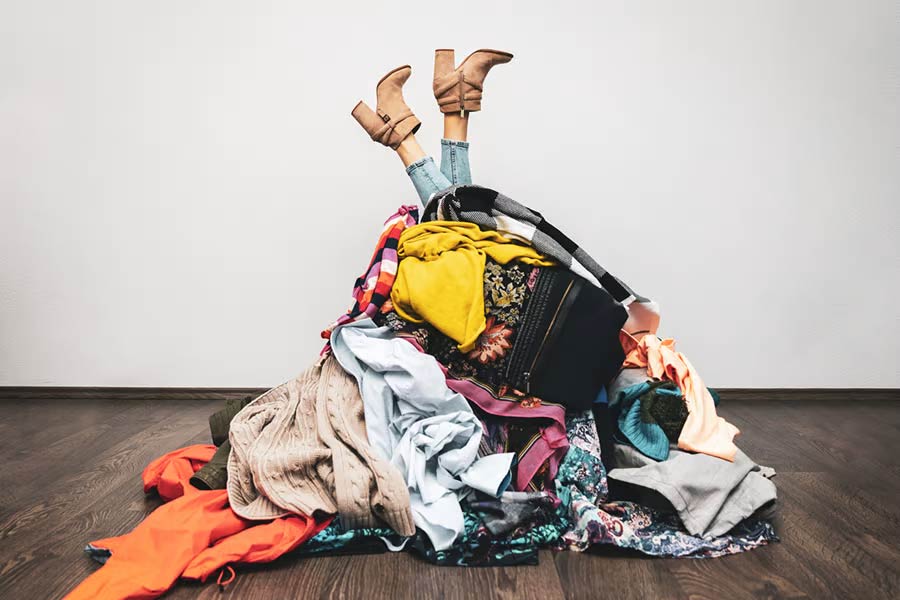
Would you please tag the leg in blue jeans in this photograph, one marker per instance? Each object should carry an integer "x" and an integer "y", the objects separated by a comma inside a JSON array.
[
  {"x": 455, "y": 170},
  {"x": 426, "y": 178},
  {"x": 455, "y": 162}
]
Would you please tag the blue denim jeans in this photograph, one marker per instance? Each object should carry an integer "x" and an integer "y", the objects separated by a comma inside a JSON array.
[{"x": 455, "y": 170}]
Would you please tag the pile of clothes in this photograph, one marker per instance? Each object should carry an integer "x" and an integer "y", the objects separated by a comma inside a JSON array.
[{"x": 478, "y": 402}]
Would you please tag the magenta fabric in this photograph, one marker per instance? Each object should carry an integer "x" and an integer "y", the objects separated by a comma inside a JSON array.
[{"x": 550, "y": 447}]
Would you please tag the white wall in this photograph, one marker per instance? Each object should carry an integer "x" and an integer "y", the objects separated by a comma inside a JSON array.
[{"x": 186, "y": 200}]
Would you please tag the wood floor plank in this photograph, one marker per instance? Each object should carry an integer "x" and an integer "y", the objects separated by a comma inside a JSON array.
[
  {"x": 68, "y": 481},
  {"x": 824, "y": 528},
  {"x": 615, "y": 574},
  {"x": 389, "y": 575},
  {"x": 41, "y": 463},
  {"x": 809, "y": 437}
]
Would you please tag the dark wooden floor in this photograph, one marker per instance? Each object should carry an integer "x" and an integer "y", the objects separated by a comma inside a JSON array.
[{"x": 70, "y": 469}]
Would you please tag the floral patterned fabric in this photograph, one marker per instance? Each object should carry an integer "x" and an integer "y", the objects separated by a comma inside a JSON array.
[
  {"x": 493, "y": 343},
  {"x": 581, "y": 485}
]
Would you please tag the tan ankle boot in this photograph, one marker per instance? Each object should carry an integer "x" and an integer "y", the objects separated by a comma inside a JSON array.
[
  {"x": 392, "y": 120},
  {"x": 459, "y": 89}
]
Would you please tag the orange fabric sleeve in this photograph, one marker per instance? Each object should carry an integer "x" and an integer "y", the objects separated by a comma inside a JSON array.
[
  {"x": 260, "y": 544},
  {"x": 170, "y": 473},
  {"x": 146, "y": 562}
]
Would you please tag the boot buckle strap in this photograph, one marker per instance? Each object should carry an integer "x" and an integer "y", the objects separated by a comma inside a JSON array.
[{"x": 384, "y": 133}]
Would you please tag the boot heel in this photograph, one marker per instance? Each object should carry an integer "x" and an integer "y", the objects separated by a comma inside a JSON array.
[
  {"x": 444, "y": 62},
  {"x": 366, "y": 117}
]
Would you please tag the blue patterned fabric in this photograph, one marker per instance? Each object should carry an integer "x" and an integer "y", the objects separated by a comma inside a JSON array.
[
  {"x": 582, "y": 487},
  {"x": 479, "y": 548},
  {"x": 335, "y": 540}
]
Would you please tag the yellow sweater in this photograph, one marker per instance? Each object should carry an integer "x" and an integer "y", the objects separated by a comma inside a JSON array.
[{"x": 441, "y": 275}]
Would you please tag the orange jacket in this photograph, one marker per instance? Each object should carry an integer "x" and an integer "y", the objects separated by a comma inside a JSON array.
[{"x": 192, "y": 536}]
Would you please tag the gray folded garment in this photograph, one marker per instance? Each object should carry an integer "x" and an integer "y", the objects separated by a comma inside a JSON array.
[
  {"x": 710, "y": 495},
  {"x": 625, "y": 379}
]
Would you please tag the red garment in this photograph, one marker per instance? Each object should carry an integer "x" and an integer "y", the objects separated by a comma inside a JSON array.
[
  {"x": 704, "y": 430},
  {"x": 192, "y": 536}
]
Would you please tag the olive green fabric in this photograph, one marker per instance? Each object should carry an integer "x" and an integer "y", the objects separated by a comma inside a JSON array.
[
  {"x": 214, "y": 475},
  {"x": 220, "y": 422}
]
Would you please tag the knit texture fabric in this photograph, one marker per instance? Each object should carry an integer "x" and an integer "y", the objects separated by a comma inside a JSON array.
[{"x": 302, "y": 448}]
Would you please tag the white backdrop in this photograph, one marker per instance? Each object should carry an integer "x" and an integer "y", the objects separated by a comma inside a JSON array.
[{"x": 186, "y": 200}]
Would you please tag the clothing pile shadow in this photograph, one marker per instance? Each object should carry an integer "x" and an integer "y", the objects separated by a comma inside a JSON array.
[{"x": 479, "y": 401}]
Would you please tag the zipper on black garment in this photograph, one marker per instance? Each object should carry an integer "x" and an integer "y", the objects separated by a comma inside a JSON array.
[
  {"x": 527, "y": 374},
  {"x": 530, "y": 328}
]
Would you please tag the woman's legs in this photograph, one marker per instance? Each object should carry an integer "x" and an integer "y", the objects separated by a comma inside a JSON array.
[
  {"x": 458, "y": 90},
  {"x": 410, "y": 151},
  {"x": 422, "y": 171},
  {"x": 456, "y": 127},
  {"x": 455, "y": 149},
  {"x": 455, "y": 169}
]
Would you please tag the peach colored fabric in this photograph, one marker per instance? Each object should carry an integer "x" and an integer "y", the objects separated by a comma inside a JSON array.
[{"x": 704, "y": 431}]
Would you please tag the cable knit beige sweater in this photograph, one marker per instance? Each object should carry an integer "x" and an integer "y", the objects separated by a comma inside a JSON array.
[{"x": 301, "y": 448}]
